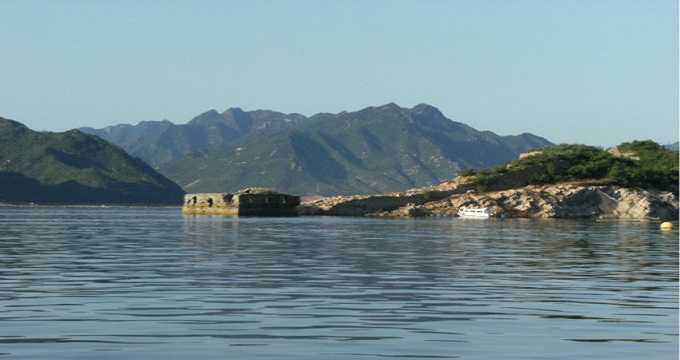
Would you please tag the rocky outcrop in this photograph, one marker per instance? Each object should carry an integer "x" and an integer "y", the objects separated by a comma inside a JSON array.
[
  {"x": 550, "y": 201},
  {"x": 565, "y": 201},
  {"x": 373, "y": 205}
]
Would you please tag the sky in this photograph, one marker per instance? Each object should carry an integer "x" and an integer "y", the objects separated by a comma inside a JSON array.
[{"x": 595, "y": 72}]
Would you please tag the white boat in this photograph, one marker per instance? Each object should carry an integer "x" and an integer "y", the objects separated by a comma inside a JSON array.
[{"x": 478, "y": 213}]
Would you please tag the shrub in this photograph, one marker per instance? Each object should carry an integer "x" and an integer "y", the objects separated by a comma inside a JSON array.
[
  {"x": 427, "y": 195},
  {"x": 482, "y": 180},
  {"x": 467, "y": 172}
]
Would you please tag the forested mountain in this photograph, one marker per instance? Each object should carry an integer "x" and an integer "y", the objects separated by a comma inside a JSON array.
[
  {"x": 157, "y": 142},
  {"x": 374, "y": 150},
  {"x": 74, "y": 168}
]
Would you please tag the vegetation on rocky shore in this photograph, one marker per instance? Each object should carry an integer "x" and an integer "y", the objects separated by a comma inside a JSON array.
[
  {"x": 637, "y": 180},
  {"x": 637, "y": 164}
]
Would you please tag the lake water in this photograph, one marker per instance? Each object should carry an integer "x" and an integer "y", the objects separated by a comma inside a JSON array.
[{"x": 113, "y": 283}]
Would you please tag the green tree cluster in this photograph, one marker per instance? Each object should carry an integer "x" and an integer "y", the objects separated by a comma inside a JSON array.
[{"x": 643, "y": 164}]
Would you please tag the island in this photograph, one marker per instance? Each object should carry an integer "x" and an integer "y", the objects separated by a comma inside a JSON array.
[{"x": 636, "y": 181}]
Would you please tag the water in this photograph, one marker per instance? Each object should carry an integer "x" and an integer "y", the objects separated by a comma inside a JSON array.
[{"x": 150, "y": 283}]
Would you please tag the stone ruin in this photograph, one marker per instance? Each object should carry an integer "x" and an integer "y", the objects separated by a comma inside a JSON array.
[{"x": 247, "y": 202}]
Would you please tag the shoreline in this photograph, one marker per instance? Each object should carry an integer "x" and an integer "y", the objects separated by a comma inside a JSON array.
[
  {"x": 94, "y": 206},
  {"x": 564, "y": 201}
]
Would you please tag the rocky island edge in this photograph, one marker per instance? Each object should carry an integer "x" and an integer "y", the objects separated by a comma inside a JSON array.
[
  {"x": 564, "y": 200},
  {"x": 636, "y": 181}
]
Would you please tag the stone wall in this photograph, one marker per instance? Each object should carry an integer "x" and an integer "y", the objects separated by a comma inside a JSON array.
[{"x": 242, "y": 203}]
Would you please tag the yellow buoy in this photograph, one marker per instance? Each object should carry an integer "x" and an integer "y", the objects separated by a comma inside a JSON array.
[{"x": 666, "y": 226}]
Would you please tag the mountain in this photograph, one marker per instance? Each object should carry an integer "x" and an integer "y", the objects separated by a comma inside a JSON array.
[
  {"x": 374, "y": 150},
  {"x": 74, "y": 168},
  {"x": 161, "y": 141},
  {"x": 126, "y": 134}
]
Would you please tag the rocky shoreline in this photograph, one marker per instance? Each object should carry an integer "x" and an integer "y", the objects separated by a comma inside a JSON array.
[{"x": 566, "y": 200}]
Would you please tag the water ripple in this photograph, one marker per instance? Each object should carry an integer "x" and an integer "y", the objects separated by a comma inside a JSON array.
[{"x": 136, "y": 282}]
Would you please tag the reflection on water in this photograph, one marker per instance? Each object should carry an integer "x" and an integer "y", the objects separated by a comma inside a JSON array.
[{"x": 136, "y": 282}]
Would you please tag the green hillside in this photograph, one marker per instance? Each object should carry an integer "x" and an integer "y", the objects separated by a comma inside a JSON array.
[
  {"x": 75, "y": 168},
  {"x": 374, "y": 150}
]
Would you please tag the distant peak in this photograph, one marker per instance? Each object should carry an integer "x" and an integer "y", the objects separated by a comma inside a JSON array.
[
  {"x": 426, "y": 109},
  {"x": 14, "y": 123},
  {"x": 391, "y": 105},
  {"x": 206, "y": 116},
  {"x": 234, "y": 110},
  {"x": 388, "y": 106},
  {"x": 152, "y": 122}
]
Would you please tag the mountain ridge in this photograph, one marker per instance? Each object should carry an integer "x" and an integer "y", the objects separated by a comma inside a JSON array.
[
  {"x": 376, "y": 149},
  {"x": 168, "y": 142},
  {"x": 212, "y": 129}
]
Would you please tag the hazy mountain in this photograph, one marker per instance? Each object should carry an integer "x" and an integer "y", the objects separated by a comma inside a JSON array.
[
  {"x": 374, "y": 150},
  {"x": 159, "y": 142},
  {"x": 75, "y": 168},
  {"x": 125, "y": 134}
]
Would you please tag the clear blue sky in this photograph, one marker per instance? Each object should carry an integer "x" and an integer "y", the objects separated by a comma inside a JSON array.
[{"x": 597, "y": 72}]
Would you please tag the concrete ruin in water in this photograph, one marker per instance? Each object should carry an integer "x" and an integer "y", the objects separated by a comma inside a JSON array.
[{"x": 248, "y": 202}]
